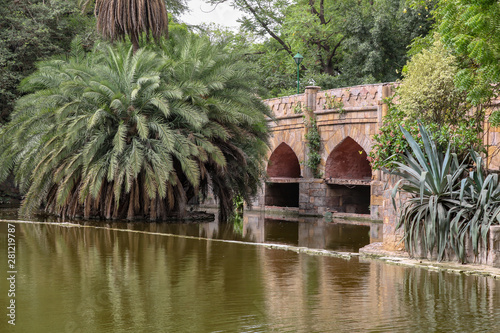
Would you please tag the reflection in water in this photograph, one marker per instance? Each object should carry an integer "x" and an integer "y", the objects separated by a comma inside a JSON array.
[
  {"x": 254, "y": 227},
  {"x": 79, "y": 279}
]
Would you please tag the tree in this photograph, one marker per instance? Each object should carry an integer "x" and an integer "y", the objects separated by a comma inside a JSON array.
[
  {"x": 119, "y": 18},
  {"x": 471, "y": 31},
  {"x": 31, "y": 31},
  {"x": 116, "y": 135},
  {"x": 377, "y": 39},
  {"x": 344, "y": 42}
]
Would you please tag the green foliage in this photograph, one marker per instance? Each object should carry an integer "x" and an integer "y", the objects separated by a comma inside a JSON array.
[
  {"x": 113, "y": 135},
  {"x": 297, "y": 108},
  {"x": 344, "y": 42},
  {"x": 238, "y": 203},
  {"x": 31, "y": 31},
  {"x": 377, "y": 39},
  {"x": 427, "y": 94},
  {"x": 331, "y": 103},
  {"x": 446, "y": 210},
  {"x": 471, "y": 30},
  {"x": 4, "y": 199},
  {"x": 390, "y": 142},
  {"x": 428, "y": 91},
  {"x": 238, "y": 224},
  {"x": 313, "y": 139}
]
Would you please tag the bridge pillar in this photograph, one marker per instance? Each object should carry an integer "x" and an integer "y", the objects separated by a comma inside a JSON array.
[{"x": 310, "y": 93}]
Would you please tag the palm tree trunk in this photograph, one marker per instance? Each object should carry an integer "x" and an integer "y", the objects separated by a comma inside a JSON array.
[{"x": 135, "y": 42}]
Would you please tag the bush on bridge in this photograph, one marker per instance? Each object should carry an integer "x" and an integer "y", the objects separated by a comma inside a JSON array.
[{"x": 427, "y": 94}]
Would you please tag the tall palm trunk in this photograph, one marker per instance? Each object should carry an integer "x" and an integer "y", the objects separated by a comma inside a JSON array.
[{"x": 119, "y": 18}]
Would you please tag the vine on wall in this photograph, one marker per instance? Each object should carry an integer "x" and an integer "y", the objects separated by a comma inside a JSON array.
[{"x": 314, "y": 144}]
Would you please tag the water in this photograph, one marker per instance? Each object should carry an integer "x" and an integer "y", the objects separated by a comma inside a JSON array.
[
  {"x": 341, "y": 235},
  {"x": 83, "y": 279}
]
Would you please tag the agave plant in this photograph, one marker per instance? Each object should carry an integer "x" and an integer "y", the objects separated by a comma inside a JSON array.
[
  {"x": 447, "y": 208},
  {"x": 115, "y": 134},
  {"x": 431, "y": 178},
  {"x": 482, "y": 193}
]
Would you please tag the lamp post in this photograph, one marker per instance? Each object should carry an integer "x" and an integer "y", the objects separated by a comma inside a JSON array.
[{"x": 298, "y": 59}]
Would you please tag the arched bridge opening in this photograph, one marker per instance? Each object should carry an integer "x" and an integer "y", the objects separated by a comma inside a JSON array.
[
  {"x": 348, "y": 175},
  {"x": 283, "y": 170}
]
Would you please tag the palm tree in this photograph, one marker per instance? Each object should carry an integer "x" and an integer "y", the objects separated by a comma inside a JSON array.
[
  {"x": 222, "y": 87},
  {"x": 114, "y": 134},
  {"x": 119, "y": 18}
]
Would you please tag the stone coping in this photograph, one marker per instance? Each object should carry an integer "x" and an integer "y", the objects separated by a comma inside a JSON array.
[{"x": 401, "y": 258}]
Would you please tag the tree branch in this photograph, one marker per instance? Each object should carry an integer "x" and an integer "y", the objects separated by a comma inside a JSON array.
[
  {"x": 266, "y": 27},
  {"x": 321, "y": 13}
]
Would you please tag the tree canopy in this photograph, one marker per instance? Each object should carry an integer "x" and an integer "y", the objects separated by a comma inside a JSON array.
[
  {"x": 31, "y": 31},
  {"x": 344, "y": 42},
  {"x": 427, "y": 95},
  {"x": 111, "y": 134},
  {"x": 471, "y": 30}
]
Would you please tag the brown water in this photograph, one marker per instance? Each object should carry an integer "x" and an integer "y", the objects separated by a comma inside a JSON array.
[{"x": 84, "y": 279}]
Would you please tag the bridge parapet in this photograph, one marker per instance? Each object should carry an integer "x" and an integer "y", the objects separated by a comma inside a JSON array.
[
  {"x": 286, "y": 106},
  {"x": 358, "y": 96}
]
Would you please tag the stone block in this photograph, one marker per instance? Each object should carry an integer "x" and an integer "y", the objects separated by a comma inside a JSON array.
[
  {"x": 374, "y": 213},
  {"x": 320, "y": 201},
  {"x": 317, "y": 193},
  {"x": 315, "y": 186},
  {"x": 303, "y": 197},
  {"x": 376, "y": 200}
]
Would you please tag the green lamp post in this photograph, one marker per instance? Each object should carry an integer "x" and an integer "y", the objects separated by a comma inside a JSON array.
[{"x": 298, "y": 59}]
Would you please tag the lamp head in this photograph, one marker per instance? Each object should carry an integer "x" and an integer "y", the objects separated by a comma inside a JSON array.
[{"x": 298, "y": 58}]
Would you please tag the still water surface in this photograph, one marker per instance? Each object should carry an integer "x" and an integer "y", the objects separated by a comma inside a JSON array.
[{"x": 138, "y": 279}]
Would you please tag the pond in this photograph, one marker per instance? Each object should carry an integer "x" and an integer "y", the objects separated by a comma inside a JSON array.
[{"x": 151, "y": 277}]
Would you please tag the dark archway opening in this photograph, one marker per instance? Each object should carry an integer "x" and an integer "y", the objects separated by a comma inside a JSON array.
[
  {"x": 348, "y": 174},
  {"x": 348, "y": 199},
  {"x": 283, "y": 163},
  {"x": 283, "y": 169},
  {"x": 282, "y": 194}
]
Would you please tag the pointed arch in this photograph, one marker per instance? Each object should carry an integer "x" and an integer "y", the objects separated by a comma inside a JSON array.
[
  {"x": 348, "y": 160},
  {"x": 283, "y": 162}
]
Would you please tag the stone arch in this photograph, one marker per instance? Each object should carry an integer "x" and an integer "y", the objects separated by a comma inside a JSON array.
[
  {"x": 356, "y": 132},
  {"x": 348, "y": 160},
  {"x": 283, "y": 162}
]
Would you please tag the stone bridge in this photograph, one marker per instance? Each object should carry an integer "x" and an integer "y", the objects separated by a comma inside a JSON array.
[{"x": 347, "y": 119}]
